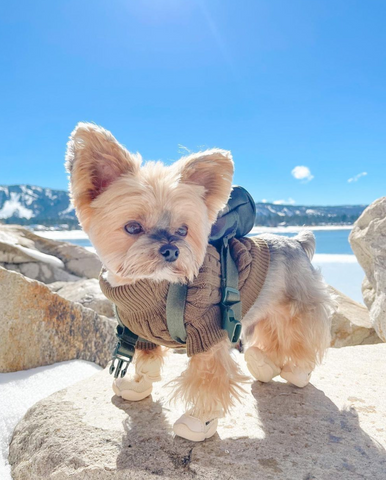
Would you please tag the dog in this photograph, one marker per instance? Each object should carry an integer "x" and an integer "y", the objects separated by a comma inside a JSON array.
[{"x": 151, "y": 222}]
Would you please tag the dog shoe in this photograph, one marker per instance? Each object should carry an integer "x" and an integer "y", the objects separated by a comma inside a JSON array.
[
  {"x": 295, "y": 375},
  {"x": 132, "y": 390},
  {"x": 195, "y": 429},
  {"x": 260, "y": 366}
]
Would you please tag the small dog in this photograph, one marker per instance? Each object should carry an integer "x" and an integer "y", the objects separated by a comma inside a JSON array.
[{"x": 152, "y": 222}]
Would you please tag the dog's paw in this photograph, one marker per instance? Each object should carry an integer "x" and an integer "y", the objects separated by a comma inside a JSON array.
[
  {"x": 260, "y": 366},
  {"x": 130, "y": 389},
  {"x": 195, "y": 429},
  {"x": 296, "y": 375}
]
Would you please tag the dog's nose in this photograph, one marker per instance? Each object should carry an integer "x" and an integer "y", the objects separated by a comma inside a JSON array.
[{"x": 169, "y": 252}]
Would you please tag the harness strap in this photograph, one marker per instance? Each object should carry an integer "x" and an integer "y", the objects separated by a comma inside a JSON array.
[
  {"x": 175, "y": 311},
  {"x": 231, "y": 300}
]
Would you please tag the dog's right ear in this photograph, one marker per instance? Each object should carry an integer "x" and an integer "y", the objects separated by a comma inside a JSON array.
[{"x": 94, "y": 160}]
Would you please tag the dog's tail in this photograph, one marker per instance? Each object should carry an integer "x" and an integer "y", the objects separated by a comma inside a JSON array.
[{"x": 307, "y": 240}]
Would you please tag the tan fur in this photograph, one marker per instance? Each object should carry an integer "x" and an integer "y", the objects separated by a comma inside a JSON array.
[
  {"x": 142, "y": 357},
  {"x": 191, "y": 192},
  {"x": 292, "y": 337},
  {"x": 211, "y": 383}
]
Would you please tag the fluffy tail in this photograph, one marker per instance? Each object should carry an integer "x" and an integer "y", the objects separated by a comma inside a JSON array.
[{"x": 307, "y": 240}]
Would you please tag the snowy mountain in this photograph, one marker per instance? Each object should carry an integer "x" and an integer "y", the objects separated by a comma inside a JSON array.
[
  {"x": 269, "y": 214},
  {"x": 26, "y": 204}
]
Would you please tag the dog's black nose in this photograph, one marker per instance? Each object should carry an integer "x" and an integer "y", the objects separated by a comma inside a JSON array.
[{"x": 169, "y": 252}]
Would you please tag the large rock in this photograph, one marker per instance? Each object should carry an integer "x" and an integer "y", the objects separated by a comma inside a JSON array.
[
  {"x": 332, "y": 429},
  {"x": 43, "y": 259},
  {"x": 351, "y": 323},
  {"x": 368, "y": 241},
  {"x": 38, "y": 327},
  {"x": 87, "y": 292}
]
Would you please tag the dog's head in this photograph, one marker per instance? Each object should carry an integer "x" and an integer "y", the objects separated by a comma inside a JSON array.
[{"x": 145, "y": 221}]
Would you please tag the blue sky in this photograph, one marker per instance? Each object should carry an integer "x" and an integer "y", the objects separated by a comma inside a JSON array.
[{"x": 282, "y": 84}]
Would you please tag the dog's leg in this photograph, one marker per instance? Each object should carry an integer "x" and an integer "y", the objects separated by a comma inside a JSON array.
[
  {"x": 290, "y": 341},
  {"x": 208, "y": 387},
  {"x": 148, "y": 365}
]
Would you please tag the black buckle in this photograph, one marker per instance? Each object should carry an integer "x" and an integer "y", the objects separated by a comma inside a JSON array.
[{"x": 122, "y": 357}]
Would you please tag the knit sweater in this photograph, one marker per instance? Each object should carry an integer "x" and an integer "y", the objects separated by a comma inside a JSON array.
[{"x": 142, "y": 305}]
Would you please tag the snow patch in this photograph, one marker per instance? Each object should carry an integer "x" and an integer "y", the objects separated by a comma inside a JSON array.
[
  {"x": 42, "y": 257},
  {"x": 13, "y": 207},
  {"x": 20, "y": 390},
  {"x": 69, "y": 209},
  {"x": 62, "y": 235}
]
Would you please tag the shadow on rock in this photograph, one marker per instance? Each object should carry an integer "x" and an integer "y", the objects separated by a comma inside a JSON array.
[
  {"x": 148, "y": 443},
  {"x": 299, "y": 434}
]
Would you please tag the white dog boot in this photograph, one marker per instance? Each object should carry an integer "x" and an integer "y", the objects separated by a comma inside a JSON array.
[
  {"x": 295, "y": 375},
  {"x": 195, "y": 429},
  {"x": 260, "y": 366},
  {"x": 141, "y": 385}
]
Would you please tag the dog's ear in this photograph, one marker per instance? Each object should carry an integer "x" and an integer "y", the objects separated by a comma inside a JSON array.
[
  {"x": 213, "y": 170},
  {"x": 94, "y": 160}
]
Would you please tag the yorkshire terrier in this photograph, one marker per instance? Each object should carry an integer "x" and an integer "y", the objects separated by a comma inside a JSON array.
[{"x": 151, "y": 222}]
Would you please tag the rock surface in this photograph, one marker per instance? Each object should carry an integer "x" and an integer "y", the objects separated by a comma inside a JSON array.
[
  {"x": 38, "y": 327},
  {"x": 332, "y": 429},
  {"x": 351, "y": 323},
  {"x": 43, "y": 259},
  {"x": 368, "y": 241},
  {"x": 87, "y": 292}
]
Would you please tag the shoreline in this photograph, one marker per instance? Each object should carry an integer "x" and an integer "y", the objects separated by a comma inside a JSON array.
[{"x": 81, "y": 235}]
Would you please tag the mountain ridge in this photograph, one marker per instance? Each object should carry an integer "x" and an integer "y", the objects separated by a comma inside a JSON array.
[{"x": 29, "y": 204}]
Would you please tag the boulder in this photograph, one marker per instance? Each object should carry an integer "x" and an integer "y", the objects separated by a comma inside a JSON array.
[
  {"x": 43, "y": 259},
  {"x": 368, "y": 241},
  {"x": 351, "y": 323},
  {"x": 38, "y": 327},
  {"x": 87, "y": 292},
  {"x": 331, "y": 429}
]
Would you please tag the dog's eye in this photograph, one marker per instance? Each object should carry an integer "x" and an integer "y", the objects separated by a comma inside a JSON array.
[
  {"x": 134, "y": 228},
  {"x": 182, "y": 231}
]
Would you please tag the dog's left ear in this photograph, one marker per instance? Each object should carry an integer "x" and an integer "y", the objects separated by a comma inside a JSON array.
[
  {"x": 213, "y": 170},
  {"x": 95, "y": 160}
]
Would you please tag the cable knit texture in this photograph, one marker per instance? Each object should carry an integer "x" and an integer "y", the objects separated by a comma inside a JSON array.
[{"x": 142, "y": 305}]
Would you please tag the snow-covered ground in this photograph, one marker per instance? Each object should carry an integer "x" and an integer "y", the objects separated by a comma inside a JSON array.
[{"x": 20, "y": 390}]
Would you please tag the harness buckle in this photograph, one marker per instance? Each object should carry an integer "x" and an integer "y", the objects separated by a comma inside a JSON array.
[
  {"x": 121, "y": 359},
  {"x": 231, "y": 324},
  {"x": 231, "y": 303},
  {"x": 230, "y": 296}
]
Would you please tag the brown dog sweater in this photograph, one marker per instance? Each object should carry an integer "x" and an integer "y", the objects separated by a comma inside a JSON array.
[{"x": 142, "y": 305}]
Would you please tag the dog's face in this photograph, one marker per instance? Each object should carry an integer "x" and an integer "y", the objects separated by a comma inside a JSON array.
[{"x": 150, "y": 221}]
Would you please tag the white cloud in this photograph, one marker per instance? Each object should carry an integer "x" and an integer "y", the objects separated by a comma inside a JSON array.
[
  {"x": 302, "y": 173},
  {"x": 264, "y": 200},
  {"x": 290, "y": 201},
  {"x": 357, "y": 177}
]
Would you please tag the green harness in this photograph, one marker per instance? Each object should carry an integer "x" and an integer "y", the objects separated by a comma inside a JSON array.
[{"x": 234, "y": 221}]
